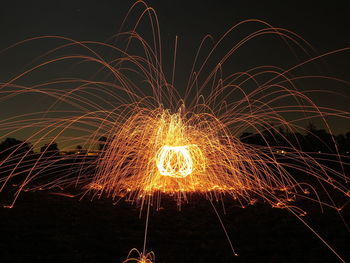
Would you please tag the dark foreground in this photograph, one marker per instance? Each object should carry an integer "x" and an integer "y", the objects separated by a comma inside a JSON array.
[{"x": 48, "y": 228}]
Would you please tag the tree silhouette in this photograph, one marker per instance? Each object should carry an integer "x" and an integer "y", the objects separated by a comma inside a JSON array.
[
  {"x": 314, "y": 141},
  {"x": 50, "y": 150},
  {"x": 319, "y": 140},
  {"x": 14, "y": 148},
  {"x": 102, "y": 143}
]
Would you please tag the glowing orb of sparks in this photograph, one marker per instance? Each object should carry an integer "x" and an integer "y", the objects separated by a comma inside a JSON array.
[{"x": 174, "y": 161}]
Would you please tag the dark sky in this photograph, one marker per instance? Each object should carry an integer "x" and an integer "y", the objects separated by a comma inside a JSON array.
[{"x": 324, "y": 24}]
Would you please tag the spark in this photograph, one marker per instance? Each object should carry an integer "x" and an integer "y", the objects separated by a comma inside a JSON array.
[{"x": 139, "y": 257}]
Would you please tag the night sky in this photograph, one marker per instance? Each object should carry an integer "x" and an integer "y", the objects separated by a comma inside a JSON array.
[{"x": 324, "y": 25}]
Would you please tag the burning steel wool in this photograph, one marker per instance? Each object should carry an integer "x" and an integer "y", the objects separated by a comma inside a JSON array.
[
  {"x": 174, "y": 161},
  {"x": 143, "y": 138}
]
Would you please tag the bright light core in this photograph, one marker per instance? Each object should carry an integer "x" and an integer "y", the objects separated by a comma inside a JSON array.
[{"x": 174, "y": 161}]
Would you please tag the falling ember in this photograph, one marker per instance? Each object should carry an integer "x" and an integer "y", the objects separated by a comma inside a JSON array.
[{"x": 135, "y": 256}]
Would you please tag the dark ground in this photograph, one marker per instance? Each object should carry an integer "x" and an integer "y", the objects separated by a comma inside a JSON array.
[{"x": 48, "y": 228}]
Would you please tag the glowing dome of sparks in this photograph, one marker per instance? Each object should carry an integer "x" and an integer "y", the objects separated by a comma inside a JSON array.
[
  {"x": 164, "y": 147},
  {"x": 156, "y": 150}
]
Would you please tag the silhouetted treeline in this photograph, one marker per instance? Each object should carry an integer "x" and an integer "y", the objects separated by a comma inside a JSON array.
[
  {"x": 18, "y": 157},
  {"x": 314, "y": 140},
  {"x": 18, "y": 160},
  {"x": 14, "y": 147}
]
